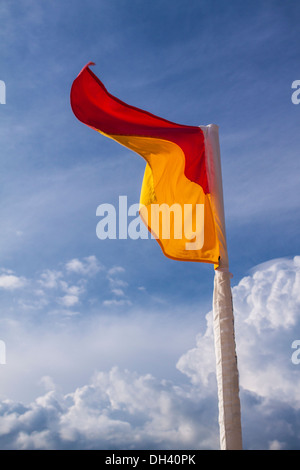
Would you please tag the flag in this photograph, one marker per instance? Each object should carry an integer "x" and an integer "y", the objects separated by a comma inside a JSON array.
[
  {"x": 181, "y": 203},
  {"x": 176, "y": 200}
]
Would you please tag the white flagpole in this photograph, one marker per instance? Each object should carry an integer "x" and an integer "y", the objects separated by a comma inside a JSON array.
[{"x": 223, "y": 321}]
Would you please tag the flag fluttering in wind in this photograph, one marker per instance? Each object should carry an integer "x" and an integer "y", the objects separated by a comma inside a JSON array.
[
  {"x": 176, "y": 186},
  {"x": 182, "y": 185}
]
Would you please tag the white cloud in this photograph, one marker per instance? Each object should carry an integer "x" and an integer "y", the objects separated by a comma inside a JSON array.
[
  {"x": 262, "y": 296},
  {"x": 52, "y": 286},
  {"x": 275, "y": 445},
  {"x": 267, "y": 318},
  {"x": 11, "y": 282},
  {"x": 49, "y": 279},
  {"x": 72, "y": 290},
  {"x": 117, "y": 287},
  {"x": 72, "y": 294},
  {"x": 135, "y": 409},
  {"x": 117, "y": 283},
  {"x": 89, "y": 266},
  {"x": 118, "y": 292},
  {"x": 75, "y": 266},
  {"x": 47, "y": 383},
  {"x": 117, "y": 409},
  {"x": 124, "y": 409},
  {"x": 69, "y": 300},
  {"x": 63, "y": 312},
  {"x": 114, "y": 281},
  {"x": 116, "y": 270}
]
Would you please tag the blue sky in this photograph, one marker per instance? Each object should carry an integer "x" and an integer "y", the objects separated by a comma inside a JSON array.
[{"x": 74, "y": 307}]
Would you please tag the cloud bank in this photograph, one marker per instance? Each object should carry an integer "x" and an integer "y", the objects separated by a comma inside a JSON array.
[{"x": 123, "y": 409}]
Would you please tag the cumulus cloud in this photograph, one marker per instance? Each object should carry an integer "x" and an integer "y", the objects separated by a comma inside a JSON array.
[
  {"x": 117, "y": 287},
  {"x": 122, "y": 409},
  {"x": 47, "y": 383},
  {"x": 267, "y": 321},
  {"x": 118, "y": 292},
  {"x": 65, "y": 287},
  {"x": 11, "y": 282},
  {"x": 73, "y": 289},
  {"x": 69, "y": 300},
  {"x": 50, "y": 279},
  {"x": 116, "y": 410},
  {"x": 267, "y": 313},
  {"x": 116, "y": 270},
  {"x": 113, "y": 277},
  {"x": 88, "y": 266}
]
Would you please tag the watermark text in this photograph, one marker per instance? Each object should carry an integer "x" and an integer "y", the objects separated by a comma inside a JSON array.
[
  {"x": 296, "y": 94},
  {"x": 2, "y": 352},
  {"x": 2, "y": 92},
  {"x": 177, "y": 222},
  {"x": 296, "y": 354}
]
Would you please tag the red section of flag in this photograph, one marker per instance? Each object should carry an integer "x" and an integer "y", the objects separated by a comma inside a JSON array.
[{"x": 95, "y": 107}]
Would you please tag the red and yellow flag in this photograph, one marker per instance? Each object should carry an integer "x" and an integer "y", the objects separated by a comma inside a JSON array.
[{"x": 175, "y": 185}]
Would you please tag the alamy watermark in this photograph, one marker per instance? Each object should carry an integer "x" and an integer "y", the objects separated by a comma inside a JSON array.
[
  {"x": 296, "y": 354},
  {"x": 179, "y": 222},
  {"x": 2, "y": 352},
  {"x": 2, "y": 92},
  {"x": 296, "y": 94}
]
